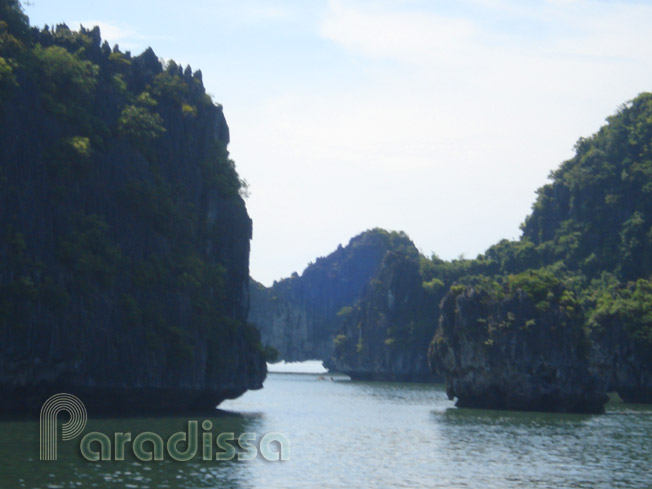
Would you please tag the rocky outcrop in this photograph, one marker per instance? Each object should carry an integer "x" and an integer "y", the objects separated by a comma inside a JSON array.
[
  {"x": 298, "y": 316},
  {"x": 385, "y": 336},
  {"x": 124, "y": 243},
  {"x": 363, "y": 310},
  {"x": 284, "y": 325},
  {"x": 590, "y": 229},
  {"x": 623, "y": 364},
  {"x": 512, "y": 353}
]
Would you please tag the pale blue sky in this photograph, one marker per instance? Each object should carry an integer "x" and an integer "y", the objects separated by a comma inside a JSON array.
[{"x": 437, "y": 118}]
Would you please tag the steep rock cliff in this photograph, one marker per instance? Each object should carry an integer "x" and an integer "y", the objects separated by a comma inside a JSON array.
[
  {"x": 589, "y": 231},
  {"x": 298, "y": 316},
  {"x": 509, "y": 352},
  {"x": 621, "y": 329},
  {"x": 622, "y": 364},
  {"x": 385, "y": 335},
  {"x": 124, "y": 243}
]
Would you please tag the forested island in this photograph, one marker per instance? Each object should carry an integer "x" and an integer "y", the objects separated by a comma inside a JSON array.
[
  {"x": 124, "y": 258},
  {"x": 362, "y": 309},
  {"x": 124, "y": 240},
  {"x": 552, "y": 321}
]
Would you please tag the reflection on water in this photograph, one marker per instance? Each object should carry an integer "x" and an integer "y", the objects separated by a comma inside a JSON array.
[{"x": 354, "y": 434}]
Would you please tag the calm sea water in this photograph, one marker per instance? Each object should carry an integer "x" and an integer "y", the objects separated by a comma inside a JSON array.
[{"x": 347, "y": 434}]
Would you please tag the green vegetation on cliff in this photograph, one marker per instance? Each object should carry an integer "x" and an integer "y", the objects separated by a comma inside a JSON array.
[
  {"x": 385, "y": 333},
  {"x": 585, "y": 253},
  {"x": 596, "y": 215},
  {"x": 122, "y": 220},
  {"x": 582, "y": 264},
  {"x": 300, "y": 316}
]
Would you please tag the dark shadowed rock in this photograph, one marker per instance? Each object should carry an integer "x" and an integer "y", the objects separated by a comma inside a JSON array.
[
  {"x": 385, "y": 336},
  {"x": 507, "y": 353},
  {"x": 298, "y": 316},
  {"x": 623, "y": 364},
  {"x": 124, "y": 242}
]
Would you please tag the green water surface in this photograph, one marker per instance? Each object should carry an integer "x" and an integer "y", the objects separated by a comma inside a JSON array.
[{"x": 347, "y": 434}]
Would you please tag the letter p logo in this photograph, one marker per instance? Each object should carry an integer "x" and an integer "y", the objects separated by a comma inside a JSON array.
[{"x": 48, "y": 422}]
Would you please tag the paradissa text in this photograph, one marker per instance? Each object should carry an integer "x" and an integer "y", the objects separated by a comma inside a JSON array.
[{"x": 184, "y": 446}]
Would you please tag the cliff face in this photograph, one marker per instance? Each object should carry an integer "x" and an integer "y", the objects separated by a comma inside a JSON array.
[
  {"x": 363, "y": 310},
  {"x": 298, "y": 316},
  {"x": 386, "y": 334},
  {"x": 589, "y": 236},
  {"x": 622, "y": 344},
  {"x": 511, "y": 353},
  {"x": 284, "y": 325},
  {"x": 124, "y": 247},
  {"x": 622, "y": 365}
]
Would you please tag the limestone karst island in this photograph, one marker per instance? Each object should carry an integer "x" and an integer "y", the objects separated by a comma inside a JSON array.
[{"x": 125, "y": 282}]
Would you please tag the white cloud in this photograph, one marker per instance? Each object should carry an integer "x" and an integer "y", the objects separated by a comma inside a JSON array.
[{"x": 403, "y": 36}]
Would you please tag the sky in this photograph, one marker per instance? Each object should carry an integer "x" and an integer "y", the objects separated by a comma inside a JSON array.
[{"x": 437, "y": 118}]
